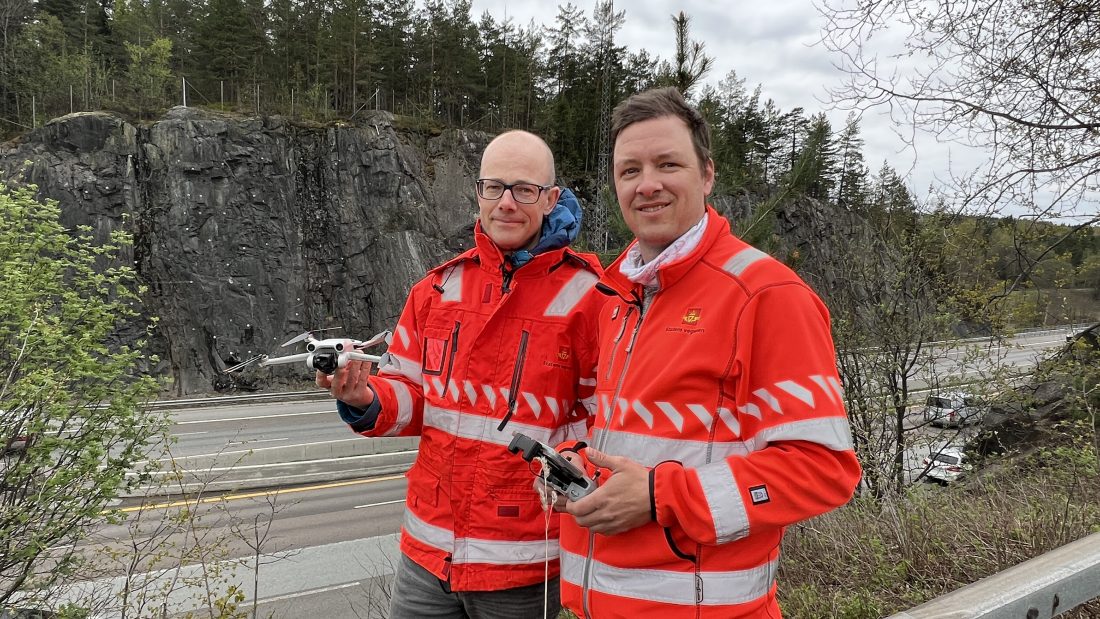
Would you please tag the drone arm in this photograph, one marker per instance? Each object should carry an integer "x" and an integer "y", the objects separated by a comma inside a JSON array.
[
  {"x": 358, "y": 356},
  {"x": 287, "y": 359}
]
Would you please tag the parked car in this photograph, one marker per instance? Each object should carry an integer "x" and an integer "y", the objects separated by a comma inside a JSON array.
[
  {"x": 14, "y": 444},
  {"x": 954, "y": 409},
  {"x": 946, "y": 465}
]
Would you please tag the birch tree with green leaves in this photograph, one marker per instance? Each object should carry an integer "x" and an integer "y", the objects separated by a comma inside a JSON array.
[{"x": 72, "y": 416}]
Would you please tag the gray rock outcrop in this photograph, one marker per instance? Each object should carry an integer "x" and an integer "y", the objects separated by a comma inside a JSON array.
[{"x": 249, "y": 231}]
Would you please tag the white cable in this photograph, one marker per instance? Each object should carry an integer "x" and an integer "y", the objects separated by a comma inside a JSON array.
[{"x": 548, "y": 510}]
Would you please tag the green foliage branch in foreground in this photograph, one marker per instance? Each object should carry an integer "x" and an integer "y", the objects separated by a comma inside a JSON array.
[{"x": 65, "y": 386}]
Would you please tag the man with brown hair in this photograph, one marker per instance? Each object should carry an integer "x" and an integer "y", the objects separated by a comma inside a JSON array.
[{"x": 720, "y": 413}]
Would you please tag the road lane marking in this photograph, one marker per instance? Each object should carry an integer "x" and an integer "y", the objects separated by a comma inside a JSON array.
[
  {"x": 299, "y": 594},
  {"x": 378, "y": 504},
  {"x": 253, "y": 495},
  {"x": 227, "y": 419},
  {"x": 190, "y": 433},
  {"x": 258, "y": 440}
]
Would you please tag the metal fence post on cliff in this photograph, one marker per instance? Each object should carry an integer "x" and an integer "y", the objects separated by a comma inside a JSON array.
[{"x": 184, "y": 88}]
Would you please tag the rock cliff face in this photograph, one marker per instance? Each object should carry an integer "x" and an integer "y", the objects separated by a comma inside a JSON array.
[{"x": 249, "y": 231}]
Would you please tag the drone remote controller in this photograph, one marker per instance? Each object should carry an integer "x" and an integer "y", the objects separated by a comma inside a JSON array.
[{"x": 562, "y": 475}]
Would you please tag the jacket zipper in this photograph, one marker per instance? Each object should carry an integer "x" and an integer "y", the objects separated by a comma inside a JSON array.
[
  {"x": 506, "y": 279},
  {"x": 615, "y": 343},
  {"x": 451, "y": 357},
  {"x": 517, "y": 375},
  {"x": 640, "y": 304}
]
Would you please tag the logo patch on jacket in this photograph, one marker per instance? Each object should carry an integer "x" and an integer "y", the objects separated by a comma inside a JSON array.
[
  {"x": 759, "y": 495},
  {"x": 563, "y": 353},
  {"x": 693, "y": 315}
]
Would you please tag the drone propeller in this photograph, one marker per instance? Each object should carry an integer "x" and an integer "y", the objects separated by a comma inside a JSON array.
[
  {"x": 384, "y": 336},
  {"x": 244, "y": 364},
  {"x": 306, "y": 335}
]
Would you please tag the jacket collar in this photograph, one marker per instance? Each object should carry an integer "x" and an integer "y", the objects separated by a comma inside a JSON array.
[
  {"x": 667, "y": 276},
  {"x": 490, "y": 259}
]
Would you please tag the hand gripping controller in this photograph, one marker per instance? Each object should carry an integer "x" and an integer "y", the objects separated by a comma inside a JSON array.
[{"x": 561, "y": 475}]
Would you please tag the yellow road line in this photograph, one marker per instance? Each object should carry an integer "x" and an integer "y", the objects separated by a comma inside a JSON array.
[{"x": 252, "y": 495}]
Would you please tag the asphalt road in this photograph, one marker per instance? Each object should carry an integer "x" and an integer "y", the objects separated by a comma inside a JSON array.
[
  {"x": 327, "y": 549},
  {"x": 210, "y": 430}
]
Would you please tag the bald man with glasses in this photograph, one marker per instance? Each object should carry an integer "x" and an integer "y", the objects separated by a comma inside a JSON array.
[{"x": 500, "y": 339}]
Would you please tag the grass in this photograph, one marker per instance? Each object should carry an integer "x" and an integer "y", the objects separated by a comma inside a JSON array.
[{"x": 873, "y": 559}]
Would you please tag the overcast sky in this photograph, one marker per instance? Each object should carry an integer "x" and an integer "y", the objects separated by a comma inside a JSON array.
[{"x": 767, "y": 42}]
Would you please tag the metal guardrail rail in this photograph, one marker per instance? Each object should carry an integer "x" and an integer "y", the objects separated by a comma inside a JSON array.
[{"x": 1040, "y": 588}]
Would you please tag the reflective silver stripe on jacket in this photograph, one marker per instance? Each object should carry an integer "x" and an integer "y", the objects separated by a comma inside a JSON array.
[
  {"x": 831, "y": 432},
  {"x": 743, "y": 260},
  {"x": 727, "y": 510},
  {"x": 480, "y": 428},
  {"x": 451, "y": 282},
  {"x": 571, "y": 294},
  {"x": 669, "y": 587},
  {"x": 404, "y": 413},
  {"x": 651, "y": 450},
  {"x": 474, "y": 550}
]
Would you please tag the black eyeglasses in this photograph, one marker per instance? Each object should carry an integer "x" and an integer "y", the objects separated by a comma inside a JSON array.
[{"x": 524, "y": 193}]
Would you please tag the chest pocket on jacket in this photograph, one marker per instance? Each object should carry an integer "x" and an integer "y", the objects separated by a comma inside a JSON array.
[{"x": 439, "y": 351}]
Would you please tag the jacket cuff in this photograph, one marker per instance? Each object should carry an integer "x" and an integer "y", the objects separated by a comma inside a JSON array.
[
  {"x": 360, "y": 420},
  {"x": 652, "y": 500}
]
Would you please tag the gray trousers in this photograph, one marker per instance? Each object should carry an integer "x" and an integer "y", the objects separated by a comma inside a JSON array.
[{"x": 418, "y": 594}]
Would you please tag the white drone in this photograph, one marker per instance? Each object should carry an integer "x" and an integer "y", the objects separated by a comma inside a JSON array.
[{"x": 323, "y": 355}]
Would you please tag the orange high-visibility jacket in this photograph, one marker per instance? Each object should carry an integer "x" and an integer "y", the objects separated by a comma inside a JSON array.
[
  {"x": 476, "y": 340},
  {"x": 724, "y": 382}
]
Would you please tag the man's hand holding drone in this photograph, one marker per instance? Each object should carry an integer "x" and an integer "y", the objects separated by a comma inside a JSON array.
[{"x": 349, "y": 384}]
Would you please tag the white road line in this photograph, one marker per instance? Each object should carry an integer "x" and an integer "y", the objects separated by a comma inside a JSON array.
[
  {"x": 259, "y": 440},
  {"x": 291, "y": 596},
  {"x": 190, "y": 433},
  {"x": 225, "y": 419},
  {"x": 377, "y": 504}
]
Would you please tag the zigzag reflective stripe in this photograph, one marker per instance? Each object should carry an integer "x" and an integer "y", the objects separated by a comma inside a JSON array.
[
  {"x": 434, "y": 382},
  {"x": 669, "y": 587},
  {"x": 481, "y": 428},
  {"x": 405, "y": 367},
  {"x": 452, "y": 282},
  {"x": 650, "y": 450},
  {"x": 819, "y": 380},
  {"x": 554, "y": 406},
  {"x": 743, "y": 260},
  {"x": 533, "y": 402},
  {"x": 403, "y": 335},
  {"x": 797, "y": 391},
  {"x": 489, "y": 395},
  {"x": 769, "y": 399},
  {"x": 475, "y": 550},
  {"x": 673, "y": 415},
  {"x": 571, "y": 294},
  {"x": 727, "y": 510}
]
